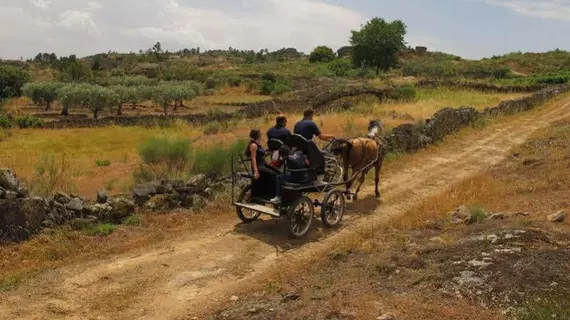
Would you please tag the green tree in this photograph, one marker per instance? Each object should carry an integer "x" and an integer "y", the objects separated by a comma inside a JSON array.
[
  {"x": 164, "y": 95},
  {"x": 97, "y": 98},
  {"x": 124, "y": 95},
  {"x": 42, "y": 92},
  {"x": 180, "y": 93},
  {"x": 322, "y": 54},
  {"x": 344, "y": 51},
  {"x": 69, "y": 96},
  {"x": 11, "y": 81},
  {"x": 377, "y": 43}
]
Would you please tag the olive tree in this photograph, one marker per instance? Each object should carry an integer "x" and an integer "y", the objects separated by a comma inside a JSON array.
[
  {"x": 98, "y": 98},
  {"x": 70, "y": 96},
  {"x": 377, "y": 44},
  {"x": 42, "y": 92},
  {"x": 125, "y": 95},
  {"x": 164, "y": 95}
]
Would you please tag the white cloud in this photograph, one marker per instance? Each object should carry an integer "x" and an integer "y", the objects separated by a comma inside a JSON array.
[
  {"x": 88, "y": 26},
  {"x": 552, "y": 9}
]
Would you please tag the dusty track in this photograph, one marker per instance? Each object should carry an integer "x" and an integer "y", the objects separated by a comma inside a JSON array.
[{"x": 186, "y": 278}]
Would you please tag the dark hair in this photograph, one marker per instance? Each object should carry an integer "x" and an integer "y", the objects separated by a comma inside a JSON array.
[
  {"x": 255, "y": 134},
  {"x": 280, "y": 121},
  {"x": 308, "y": 113},
  {"x": 284, "y": 150}
]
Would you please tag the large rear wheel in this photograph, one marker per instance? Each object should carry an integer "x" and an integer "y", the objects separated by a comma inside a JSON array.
[
  {"x": 333, "y": 208},
  {"x": 246, "y": 215},
  {"x": 301, "y": 214}
]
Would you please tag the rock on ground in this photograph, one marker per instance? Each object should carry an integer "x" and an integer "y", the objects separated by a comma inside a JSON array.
[
  {"x": 75, "y": 205},
  {"x": 8, "y": 180},
  {"x": 20, "y": 218},
  {"x": 102, "y": 196},
  {"x": 122, "y": 208},
  {"x": 559, "y": 216}
]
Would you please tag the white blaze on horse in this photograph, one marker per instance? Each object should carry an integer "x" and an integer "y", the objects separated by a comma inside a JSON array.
[{"x": 361, "y": 154}]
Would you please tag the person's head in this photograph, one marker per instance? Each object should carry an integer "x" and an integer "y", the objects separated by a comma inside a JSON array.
[
  {"x": 255, "y": 134},
  {"x": 281, "y": 121},
  {"x": 308, "y": 114}
]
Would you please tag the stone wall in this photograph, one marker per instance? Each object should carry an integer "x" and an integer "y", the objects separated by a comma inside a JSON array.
[
  {"x": 411, "y": 137},
  {"x": 485, "y": 87}
]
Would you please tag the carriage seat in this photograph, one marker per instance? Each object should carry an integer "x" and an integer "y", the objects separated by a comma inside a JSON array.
[{"x": 310, "y": 149}]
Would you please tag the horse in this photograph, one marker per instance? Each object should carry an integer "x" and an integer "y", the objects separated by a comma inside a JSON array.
[{"x": 361, "y": 154}]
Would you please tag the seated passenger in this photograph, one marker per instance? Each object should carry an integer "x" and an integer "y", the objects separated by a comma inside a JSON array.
[
  {"x": 295, "y": 172},
  {"x": 281, "y": 133},
  {"x": 263, "y": 175}
]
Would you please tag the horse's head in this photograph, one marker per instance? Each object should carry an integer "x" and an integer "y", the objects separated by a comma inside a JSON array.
[{"x": 375, "y": 128}]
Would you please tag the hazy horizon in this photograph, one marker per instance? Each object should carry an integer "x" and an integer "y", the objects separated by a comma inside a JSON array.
[{"x": 468, "y": 28}]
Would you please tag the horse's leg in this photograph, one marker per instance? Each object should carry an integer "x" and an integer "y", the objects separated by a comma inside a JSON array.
[
  {"x": 345, "y": 173},
  {"x": 360, "y": 183},
  {"x": 378, "y": 168}
]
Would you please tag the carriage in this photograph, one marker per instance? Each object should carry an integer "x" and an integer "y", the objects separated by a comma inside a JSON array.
[{"x": 325, "y": 177}]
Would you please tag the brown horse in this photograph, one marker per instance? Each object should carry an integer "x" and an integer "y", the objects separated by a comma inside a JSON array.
[{"x": 361, "y": 154}]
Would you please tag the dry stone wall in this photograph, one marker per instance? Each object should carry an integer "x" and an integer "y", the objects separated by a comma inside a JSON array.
[
  {"x": 412, "y": 137},
  {"x": 479, "y": 86}
]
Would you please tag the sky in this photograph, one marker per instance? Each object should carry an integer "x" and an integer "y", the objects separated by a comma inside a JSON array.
[{"x": 469, "y": 28}]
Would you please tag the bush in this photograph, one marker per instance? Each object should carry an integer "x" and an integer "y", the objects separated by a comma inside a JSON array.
[
  {"x": 215, "y": 161},
  {"x": 406, "y": 93},
  {"x": 29, "y": 122},
  {"x": 5, "y": 122},
  {"x": 164, "y": 158},
  {"x": 281, "y": 86},
  {"x": 102, "y": 163},
  {"x": 51, "y": 175},
  {"x": 322, "y": 54},
  {"x": 211, "y": 83},
  {"x": 269, "y": 76},
  {"x": 11, "y": 81},
  {"x": 133, "y": 221},
  {"x": 234, "y": 81},
  {"x": 267, "y": 87},
  {"x": 104, "y": 229},
  {"x": 340, "y": 67},
  {"x": 212, "y": 128}
]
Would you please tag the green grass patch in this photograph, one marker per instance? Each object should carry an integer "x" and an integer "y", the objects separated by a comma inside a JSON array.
[
  {"x": 133, "y": 221},
  {"x": 102, "y": 163},
  {"x": 103, "y": 229}
]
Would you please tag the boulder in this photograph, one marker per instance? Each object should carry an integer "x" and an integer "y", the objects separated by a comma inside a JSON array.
[
  {"x": 8, "y": 194},
  {"x": 62, "y": 198},
  {"x": 58, "y": 215},
  {"x": 163, "y": 202},
  {"x": 164, "y": 188},
  {"x": 197, "y": 183},
  {"x": 75, "y": 205},
  {"x": 558, "y": 216},
  {"x": 22, "y": 189},
  {"x": 100, "y": 210},
  {"x": 122, "y": 207},
  {"x": 8, "y": 180},
  {"x": 20, "y": 218},
  {"x": 143, "y": 192},
  {"x": 102, "y": 196}
]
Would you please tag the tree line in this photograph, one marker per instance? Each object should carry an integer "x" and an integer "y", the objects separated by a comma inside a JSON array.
[{"x": 98, "y": 98}]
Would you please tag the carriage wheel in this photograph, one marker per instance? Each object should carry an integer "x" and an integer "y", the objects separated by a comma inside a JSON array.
[
  {"x": 301, "y": 214},
  {"x": 333, "y": 208},
  {"x": 246, "y": 215}
]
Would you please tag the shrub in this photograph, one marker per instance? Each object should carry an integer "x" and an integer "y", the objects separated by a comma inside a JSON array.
[
  {"x": 11, "y": 81},
  {"x": 5, "y": 122},
  {"x": 269, "y": 76},
  {"x": 211, "y": 83},
  {"x": 322, "y": 54},
  {"x": 212, "y": 128},
  {"x": 133, "y": 221},
  {"x": 282, "y": 86},
  {"x": 477, "y": 214},
  {"x": 164, "y": 158},
  {"x": 51, "y": 175},
  {"x": 340, "y": 67},
  {"x": 29, "y": 122},
  {"x": 267, "y": 87},
  {"x": 215, "y": 161},
  {"x": 104, "y": 229},
  {"x": 234, "y": 81},
  {"x": 102, "y": 163},
  {"x": 406, "y": 93}
]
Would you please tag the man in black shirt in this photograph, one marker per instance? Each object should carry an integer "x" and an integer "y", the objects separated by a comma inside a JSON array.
[
  {"x": 309, "y": 129},
  {"x": 279, "y": 131}
]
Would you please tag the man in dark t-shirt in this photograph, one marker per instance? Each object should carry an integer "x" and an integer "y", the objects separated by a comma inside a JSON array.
[
  {"x": 309, "y": 129},
  {"x": 279, "y": 131}
]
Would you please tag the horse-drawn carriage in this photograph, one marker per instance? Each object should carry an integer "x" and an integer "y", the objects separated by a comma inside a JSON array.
[{"x": 326, "y": 176}]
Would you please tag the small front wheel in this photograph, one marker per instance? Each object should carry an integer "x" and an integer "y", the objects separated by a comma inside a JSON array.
[
  {"x": 301, "y": 214},
  {"x": 333, "y": 208},
  {"x": 246, "y": 215}
]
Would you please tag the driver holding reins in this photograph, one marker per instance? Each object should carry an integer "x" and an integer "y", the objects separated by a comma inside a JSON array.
[{"x": 309, "y": 129}]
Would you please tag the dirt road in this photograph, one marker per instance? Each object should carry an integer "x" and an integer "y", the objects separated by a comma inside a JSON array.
[{"x": 184, "y": 279}]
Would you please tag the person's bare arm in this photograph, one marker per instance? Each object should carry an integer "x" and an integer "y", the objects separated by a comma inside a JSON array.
[
  {"x": 253, "y": 151},
  {"x": 326, "y": 137}
]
